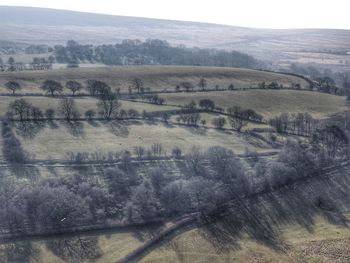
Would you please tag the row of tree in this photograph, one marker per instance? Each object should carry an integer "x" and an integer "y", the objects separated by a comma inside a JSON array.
[
  {"x": 152, "y": 51},
  {"x": 299, "y": 123},
  {"x": 56, "y": 204}
]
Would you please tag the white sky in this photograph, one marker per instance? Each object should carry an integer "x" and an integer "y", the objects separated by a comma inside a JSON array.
[{"x": 249, "y": 13}]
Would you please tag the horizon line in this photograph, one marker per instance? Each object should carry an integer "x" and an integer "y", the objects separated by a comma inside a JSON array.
[{"x": 174, "y": 20}]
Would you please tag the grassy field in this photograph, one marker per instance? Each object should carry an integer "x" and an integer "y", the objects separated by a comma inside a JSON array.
[
  {"x": 303, "y": 246},
  {"x": 269, "y": 102},
  {"x": 82, "y": 104},
  {"x": 118, "y": 136},
  {"x": 110, "y": 248},
  {"x": 154, "y": 77}
]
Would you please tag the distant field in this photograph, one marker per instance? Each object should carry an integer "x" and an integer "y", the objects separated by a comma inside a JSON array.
[
  {"x": 82, "y": 104},
  {"x": 154, "y": 77},
  {"x": 269, "y": 102},
  {"x": 119, "y": 136}
]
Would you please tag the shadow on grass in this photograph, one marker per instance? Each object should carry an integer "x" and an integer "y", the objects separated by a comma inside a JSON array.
[
  {"x": 75, "y": 128},
  {"x": 260, "y": 217},
  {"x": 196, "y": 130},
  {"x": 94, "y": 123},
  {"x": 19, "y": 252},
  {"x": 74, "y": 250},
  {"x": 119, "y": 128},
  {"x": 29, "y": 129},
  {"x": 53, "y": 125}
]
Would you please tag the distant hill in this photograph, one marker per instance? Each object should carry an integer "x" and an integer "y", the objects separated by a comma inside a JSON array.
[{"x": 48, "y": 26}]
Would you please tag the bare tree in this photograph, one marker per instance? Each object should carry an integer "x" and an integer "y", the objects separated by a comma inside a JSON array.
[
  {"x": 138, "y": 85},
  {"x": 202, "y": 83},
  {"x": 74, "y": 86},
  {"x": 52, "y": 87},
  {"x": 237, "y": 123},
  {"x": 13, "y": 86},
  {"x": 236, "y": 119},
  {"x": 139, "y": 151},
  {"x": 36, "y": 113},
  {"x": 20, "y": 108},
  {"x": 108, "y": 104},
  {"x": 96, "y": 87},
  {"x": 195, "y": 158},
  {"x": 68, "y": 109},
  {"x": 157, "y": 149}
]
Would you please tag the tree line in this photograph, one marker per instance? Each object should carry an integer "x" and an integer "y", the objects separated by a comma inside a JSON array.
[
  {"x": 36, "y": 64},
  {"x": 296, "y": 123},
  {"x": 211, "y": 178},
  {"x": 150, "y": 52}
]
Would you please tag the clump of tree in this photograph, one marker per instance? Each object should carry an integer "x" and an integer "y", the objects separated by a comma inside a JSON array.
[
  {"x": 22, "y": 110},
  {"x": 74, "y": 86},
  {"x": 68, "y": 109},
  {"x": 52, "y": 87},
  {"x": 108, "y": 104},
  {"x": 189, "y": 118},
  {"x": 96, "y": 87},
  {"x": 300, "y": 123},
  {"x": 151, "y": 51},
  {"x": 238, "y": 117},
  {"x": 155, "y": 99},
  {"x": 331, "y": 142},
  {"x": 219, "y": 122},
  {"x": 326, "y": 84},
  {"x": 248, "y": 114},
  {"x": 207, "y": 104}
]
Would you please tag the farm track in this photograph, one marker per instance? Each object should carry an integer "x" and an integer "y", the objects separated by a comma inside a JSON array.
[{"x": 181, "y": 225}]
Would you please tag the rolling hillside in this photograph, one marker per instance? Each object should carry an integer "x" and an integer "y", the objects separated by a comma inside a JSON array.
[{"x": 47, "y": 26}]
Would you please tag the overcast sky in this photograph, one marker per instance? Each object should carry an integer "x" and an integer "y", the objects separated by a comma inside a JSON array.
[{"x": 249, "y": 13}]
